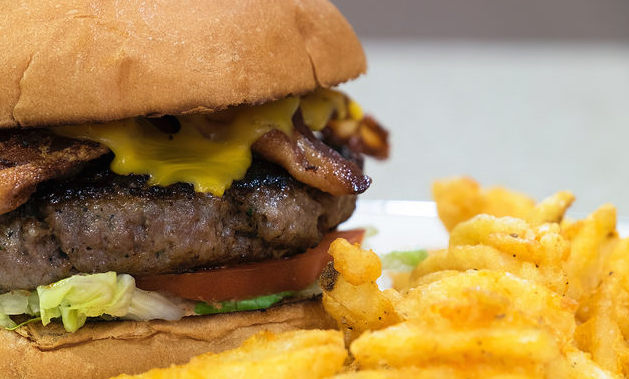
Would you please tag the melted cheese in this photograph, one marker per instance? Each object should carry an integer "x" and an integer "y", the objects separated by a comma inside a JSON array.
[
  {"x": 318, "y": 107},
  {"x": 355, "y": 111},
  {"x": 207, "y": 154}
]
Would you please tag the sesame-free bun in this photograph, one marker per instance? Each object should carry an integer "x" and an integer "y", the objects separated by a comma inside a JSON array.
[
  {"x": 105, "y": 349},
  {"x": 68, "y": 62}
]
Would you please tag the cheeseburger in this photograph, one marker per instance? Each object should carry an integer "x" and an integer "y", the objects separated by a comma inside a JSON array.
[{"x": 171, "y": 173}]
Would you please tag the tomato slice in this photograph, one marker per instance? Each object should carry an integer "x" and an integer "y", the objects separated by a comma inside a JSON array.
[{"x": 252, "y": 279}]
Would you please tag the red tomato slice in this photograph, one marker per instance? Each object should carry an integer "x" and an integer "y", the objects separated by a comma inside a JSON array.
[{"x": 252, "y": 279}]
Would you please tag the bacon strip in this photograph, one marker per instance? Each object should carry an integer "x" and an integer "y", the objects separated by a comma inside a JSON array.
[
  {"x": 312, "y": 162},
  {"x": 29, "y": 157},
  {"x": 366, "y": 136}
]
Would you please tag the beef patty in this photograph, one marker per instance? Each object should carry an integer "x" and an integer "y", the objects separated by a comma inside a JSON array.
[{"x": 100, "y": 221}]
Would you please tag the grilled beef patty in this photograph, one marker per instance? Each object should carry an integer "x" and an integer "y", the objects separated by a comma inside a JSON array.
[{"x": 100, "y": 221}]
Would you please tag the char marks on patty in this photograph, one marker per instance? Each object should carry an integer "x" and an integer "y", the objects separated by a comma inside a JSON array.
[{"x": 102, "y": 222}]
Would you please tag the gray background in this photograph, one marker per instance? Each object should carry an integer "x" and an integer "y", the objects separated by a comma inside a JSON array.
[
  {"x": 530, "y": 94},
  {"x": 577, "y": 20}
]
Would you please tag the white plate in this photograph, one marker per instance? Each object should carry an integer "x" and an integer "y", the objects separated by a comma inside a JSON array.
[
  {"x": 400, "y": 225},
  {"x": 405, "y": 225}
]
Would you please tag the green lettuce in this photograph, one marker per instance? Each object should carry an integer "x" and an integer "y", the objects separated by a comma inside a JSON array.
[
  {"x": 81, "y": 296},
  {"x": 6, "y": 322},
  {"x": 15, "y": 303},
  {"x": 260, "y": 302},
  {"x": 403, "y": 260},
  {"x": 147, "y": 305},
  {"x": 78, "y": 297}
]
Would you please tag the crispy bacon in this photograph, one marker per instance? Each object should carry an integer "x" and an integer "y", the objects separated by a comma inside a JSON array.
[
  {"x": 366, "y": 136},
  {"x": 311, "y": 161},
  {"x": 29, "y": 157}
]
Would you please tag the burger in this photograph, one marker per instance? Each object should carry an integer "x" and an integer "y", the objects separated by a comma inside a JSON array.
[{"x": 171, "y": 173}]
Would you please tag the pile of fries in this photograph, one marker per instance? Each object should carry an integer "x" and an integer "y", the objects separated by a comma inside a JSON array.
[{"x": 520, "y": 292}]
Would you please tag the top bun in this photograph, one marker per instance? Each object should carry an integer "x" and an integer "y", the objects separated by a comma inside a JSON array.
[{"x": 91, "y": 61}]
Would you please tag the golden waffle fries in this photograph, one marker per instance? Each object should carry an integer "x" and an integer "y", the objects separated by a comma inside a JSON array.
[{"x": 519, "y": 292}]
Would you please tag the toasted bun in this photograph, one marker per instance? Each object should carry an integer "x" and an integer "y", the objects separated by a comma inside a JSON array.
[
  {"x": 105, "y": 349},
  {"x": 86, "y": 60}
]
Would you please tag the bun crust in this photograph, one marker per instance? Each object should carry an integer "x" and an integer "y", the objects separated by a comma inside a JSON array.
[
  {"x": 88, "y": 60},
  {"x": 105, "y": 349}
]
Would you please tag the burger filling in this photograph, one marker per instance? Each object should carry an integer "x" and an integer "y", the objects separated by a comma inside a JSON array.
[{"x": 162, "y": 218}]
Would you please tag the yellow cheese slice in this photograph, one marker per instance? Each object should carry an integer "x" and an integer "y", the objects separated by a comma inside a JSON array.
[{"x": 208, "y": 154}]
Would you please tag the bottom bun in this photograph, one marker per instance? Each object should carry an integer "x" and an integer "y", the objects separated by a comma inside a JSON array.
[{"x": 105, "y": 349}]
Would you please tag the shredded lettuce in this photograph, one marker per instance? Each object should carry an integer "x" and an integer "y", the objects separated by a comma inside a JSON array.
[
  {"x": 78, "y": 297},
  {"x": 17, "y": 326},
  {"x": 6, "y": 322},
  {"x": 403, "y": 260},
  {"x": 106, "y": 295},
  {"x": 146, "y": 305},
  {"x": 81, "y": 296},
  {"x": 15, "y": 303},
  {"x": 261, "y": 302},
  {"x": 33, "y": 303}
]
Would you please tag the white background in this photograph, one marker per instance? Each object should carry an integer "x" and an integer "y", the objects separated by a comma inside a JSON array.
[
  {"x": 530, "y": 94},
  {"x": 534, "y": 116}
]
